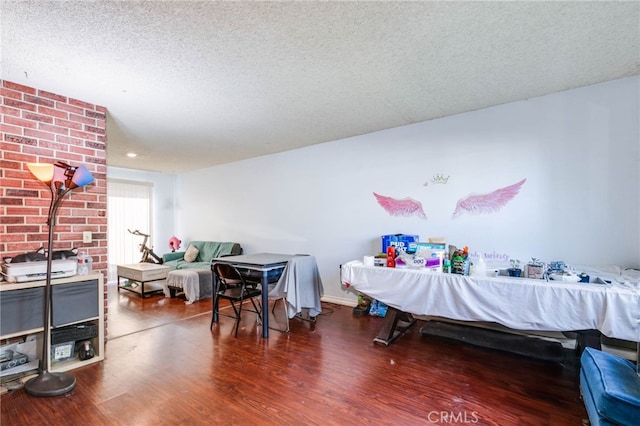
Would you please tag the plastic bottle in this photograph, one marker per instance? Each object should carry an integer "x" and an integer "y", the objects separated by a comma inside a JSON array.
[
  {"x": 82, "y": 265},
  {"x": 447, "y": 266},
  {"x": 89, "y": 261},
  {"x": 85, "y": 264},
  {"x": 480, "y": 268}
]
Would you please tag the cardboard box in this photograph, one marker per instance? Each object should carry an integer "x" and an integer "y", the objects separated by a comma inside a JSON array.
[
  {"x": 430, "y": 250},
  {"x": 402, "y": 242},
  {"x": 534, "y": 271}
]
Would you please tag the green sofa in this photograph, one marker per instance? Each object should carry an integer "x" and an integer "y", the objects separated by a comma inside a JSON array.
[{"x": 207, "y": 250}]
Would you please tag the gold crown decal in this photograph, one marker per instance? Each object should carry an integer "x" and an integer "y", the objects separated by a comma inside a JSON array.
[{"x": 440, "y": 178}]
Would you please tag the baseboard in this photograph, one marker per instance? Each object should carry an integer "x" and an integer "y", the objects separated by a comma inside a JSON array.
[{"x": 339, "y": 301}]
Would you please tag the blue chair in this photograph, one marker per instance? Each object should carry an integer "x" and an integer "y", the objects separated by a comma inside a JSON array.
[{"x": 610, "y": 388}]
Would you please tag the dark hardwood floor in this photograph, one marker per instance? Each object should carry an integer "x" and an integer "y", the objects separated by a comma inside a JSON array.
[{"x": 164, "y": 366}]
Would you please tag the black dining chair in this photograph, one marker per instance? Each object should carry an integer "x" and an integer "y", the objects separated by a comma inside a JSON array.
[{"x": 230, "y": 285}]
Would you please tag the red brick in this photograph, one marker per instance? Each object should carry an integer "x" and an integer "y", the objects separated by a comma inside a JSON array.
[
  {"x": 25, "y": 229},
  {"x": 53, "y": 96},
  {"x": 69, "y": 140},
  {"x": 9, "y": 111},
  {"x": 41, "y": 237},
  {"x": 20, "y": 192},
  {"x": 82, "y": 135},
  {"x": 20, "y": 122},
  {"x": 68, "y": 124},
  {"x": 71, "y": 158},
  {"x": 81, "y": 104},
  {"x": 11, "y": 183},
  {"x": 66, "y": 107},
  {"x": 53, "y": 129},
  {"x": 39, "y": 151},
  {"x": 11, "y": 201},
  {"x": 53, "y": 112},
  {"x": 21, "y": 139},
  {"x": 94, "y": 129},
  {"x": 6, "y": 128},
  {"x": 37, "y": 220},
  {"x": 39, "y": 101},
  {"x": 37, "y": 117},
  {"x": 18, "y": 104},
  {"x": 11, "y": 219},
  {"x": 19, "y": 157},
  {"x": 84, "y": 151},
  {"x": 57, "y": 146},
  {"x": 96, "y": 145},
  {"x": 84, "y": 213},
  {"x": 96, "y": 160},
  {"x": 13, "y": 94},
  {"x": 38, "y": 134},
  {"x": 81, "y": 119},
  {"x": 6, "y": 164},
  {"x": 98, "y": 115},
  {"x": 18, "y": 87}
]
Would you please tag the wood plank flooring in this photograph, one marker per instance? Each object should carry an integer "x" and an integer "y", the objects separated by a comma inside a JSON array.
[{"x": 164, "y": 366}]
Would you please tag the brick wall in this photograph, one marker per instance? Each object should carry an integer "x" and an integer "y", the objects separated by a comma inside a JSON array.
[{"x": 39, "y": 126}]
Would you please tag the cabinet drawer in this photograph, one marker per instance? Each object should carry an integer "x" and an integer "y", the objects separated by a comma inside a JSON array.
[
  {"x": 21, "y": 309},
  {"x": 74, "y": 302}
]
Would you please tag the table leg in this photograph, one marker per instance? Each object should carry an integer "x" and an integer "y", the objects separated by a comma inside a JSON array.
[
  {"x": 214, "y": 299},
  {"x": 587, "y": 339},
  {"x": 265, "y": 305},
  {"x": 395, "y": 324}
]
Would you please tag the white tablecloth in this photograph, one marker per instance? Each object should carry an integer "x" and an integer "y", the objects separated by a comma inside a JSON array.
[{"x": 517, "y": 303}]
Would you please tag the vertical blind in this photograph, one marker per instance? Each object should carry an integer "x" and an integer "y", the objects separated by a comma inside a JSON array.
[{"x": 128, "y": 208}]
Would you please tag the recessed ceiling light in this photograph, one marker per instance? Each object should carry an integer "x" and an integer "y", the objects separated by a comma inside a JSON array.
[{"x": 132, "y": 154}]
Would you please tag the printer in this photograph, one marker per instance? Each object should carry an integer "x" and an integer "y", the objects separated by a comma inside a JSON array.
[{"x": 35, "y": 271}]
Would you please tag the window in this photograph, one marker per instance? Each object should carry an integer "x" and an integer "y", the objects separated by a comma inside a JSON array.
[{"x": 128, "y": 208}]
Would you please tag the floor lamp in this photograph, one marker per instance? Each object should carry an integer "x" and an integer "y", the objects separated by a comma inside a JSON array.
[{"x": 61, "y": 179}]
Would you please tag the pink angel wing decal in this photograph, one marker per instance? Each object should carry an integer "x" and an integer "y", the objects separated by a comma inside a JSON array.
[
  {"x": 404, "y": 207},
  {"x": 487, "y": 203}
]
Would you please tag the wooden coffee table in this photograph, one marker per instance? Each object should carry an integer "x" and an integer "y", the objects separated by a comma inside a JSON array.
[{"x": 142, "y": 273}]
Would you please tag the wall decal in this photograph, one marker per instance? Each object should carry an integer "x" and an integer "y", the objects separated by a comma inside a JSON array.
[
  {"x": 404, "y": 207},
  {"x": 440, "y": 178},
  {"x": 487, "y": 203}
]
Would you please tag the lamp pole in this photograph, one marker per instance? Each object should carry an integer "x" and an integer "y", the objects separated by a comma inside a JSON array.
[{"x": 59, "y": 383}]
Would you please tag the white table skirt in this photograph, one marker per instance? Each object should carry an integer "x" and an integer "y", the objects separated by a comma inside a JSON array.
[{"x": 517, "y": 303}]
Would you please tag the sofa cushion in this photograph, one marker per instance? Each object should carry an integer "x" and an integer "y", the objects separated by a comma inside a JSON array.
[
  {"x": 191, "y": 254},
  {"x": 207, "y": 250},
  {"x": 611, "y": 384},
  {"x": 211, "y": 249},
  {"x": 168, "y": 257}
]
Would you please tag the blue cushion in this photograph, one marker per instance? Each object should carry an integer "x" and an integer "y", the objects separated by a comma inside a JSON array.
[{"x": 611, "y": 384}]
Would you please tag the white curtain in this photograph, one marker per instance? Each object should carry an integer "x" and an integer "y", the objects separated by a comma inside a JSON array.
[{"x": 128, "y": 208}]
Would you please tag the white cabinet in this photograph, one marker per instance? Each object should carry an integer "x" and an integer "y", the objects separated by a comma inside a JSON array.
[{"x": 77, "y": 305}]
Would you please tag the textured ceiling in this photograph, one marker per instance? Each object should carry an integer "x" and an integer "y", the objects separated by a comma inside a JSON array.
[{"x": 194, "y": 84}]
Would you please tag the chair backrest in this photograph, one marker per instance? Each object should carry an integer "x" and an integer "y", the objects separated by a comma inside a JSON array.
[{"x": 228, "y": 276}]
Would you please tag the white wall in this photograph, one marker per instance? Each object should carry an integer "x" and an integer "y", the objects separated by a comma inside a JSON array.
[
  {"x": 579, "y": 152},
  {"x": 162, "y": 203}
]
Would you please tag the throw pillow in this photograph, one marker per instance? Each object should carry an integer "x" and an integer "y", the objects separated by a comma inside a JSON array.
[{"x": 191, "y": 254}]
